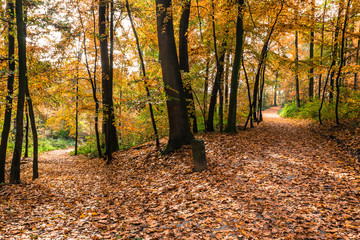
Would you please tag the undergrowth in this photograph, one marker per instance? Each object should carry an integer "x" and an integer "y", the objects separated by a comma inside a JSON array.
[{"x": 349, "y": 109}]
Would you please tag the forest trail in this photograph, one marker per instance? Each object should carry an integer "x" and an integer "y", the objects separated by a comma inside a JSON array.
[{"x": 278, "y": 180}]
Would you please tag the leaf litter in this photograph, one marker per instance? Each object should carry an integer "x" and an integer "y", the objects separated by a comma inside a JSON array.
[{"x": 279, "y": 180}]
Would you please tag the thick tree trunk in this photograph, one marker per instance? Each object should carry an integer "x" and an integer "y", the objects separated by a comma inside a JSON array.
[
  {"x": 10, "y": 91},
  {"x": 144, "y": 75},
  {"x": 21, "y": 36},
  {"x": 179, "y": 125},
  {"x": 107, "y": 83},
  {"x": 231, "y": 122},
  {"x": 184, "y": 61}
]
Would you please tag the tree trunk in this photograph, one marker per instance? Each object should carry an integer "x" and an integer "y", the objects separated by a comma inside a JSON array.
[
  {"x": 297, "y": 85},
  {"x": 215, "y": 90},
  {"x": 342, "y": 61},
  {"x": 10, "y": 90},
  {"x": 184, "y": 61},
  {"x": 77, "y": 112},
  {"x": 26, "y": 154},
  {"x": 261, "y": 94},
  {"x": 261, "y": 62},
  {"x": 34, "y": 134},
  {"x": 312, "y": 36},
  {"x": 231, "y": 124},
  {"x": 107, "y": 83},
  {"x": 21, "y": 36},
  {"x": 144, "y": 75},
  {"x": 357, "y": 63},
  {"x": 249, "y": 98},
  {"x": 275, "y": 88},
  {"x": 333, "y": 62},
  {"x": 206, "y": 87},
  {"x": 179, "y": 125},
  {"x": 322, "y": 46}
]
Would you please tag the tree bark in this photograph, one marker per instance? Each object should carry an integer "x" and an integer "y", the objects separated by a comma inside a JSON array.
[
  {"x": 249, "y": 98},
  {"x": 26, "y": 154},
  {"x": 261, "y": 93},
  {"x": 107, "y": 83},
  {"x": 312, "y": 37},
  {"x": 333, "y": 62},
  {"x": 34, "y": 134},
  {"x": 215, "y": 90},
  {"x": 21, "y": 37},
  {"x": 357, "y": 63},
  {"x": 261, "y": 62},
  {"x": 342, "y": 62},
  {"x": 231, "y": 122},
  {"x": 179, "y": 125},
  {"x": 297, "y": 85},
  {"x": 322, "y": 46},
  {"x": 92, "y": 77},
  {"x": 10, "y": 90},
  {"x": 184, "y": 61}
]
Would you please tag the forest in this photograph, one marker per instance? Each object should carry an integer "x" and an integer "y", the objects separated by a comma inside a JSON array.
[{"x": 102, "y": 102}]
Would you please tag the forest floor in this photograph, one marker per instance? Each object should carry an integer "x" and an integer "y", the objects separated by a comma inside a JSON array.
[{"x": 279, "y": 180}]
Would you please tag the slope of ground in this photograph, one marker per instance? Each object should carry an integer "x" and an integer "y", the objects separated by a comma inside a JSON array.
[{"x": 277, "y": 181}]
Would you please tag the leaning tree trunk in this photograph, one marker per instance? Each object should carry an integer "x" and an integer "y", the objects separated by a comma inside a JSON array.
[
  {"x": 179, "y": 125},
  {"x": 144, "y": 75},
  {"x": 21, "y": 37},
  {"x": 184, "y": 61},
  {"x": 263, "y": 55},
  {"x": 249, "y": 98},
  {"x": 215, "y": 90},
  {"x": 10, "y": 90},
  {"x": 333, "y": 62},
  {"x": 231, "y": 124},
  {"x": 34, "y": 134}
]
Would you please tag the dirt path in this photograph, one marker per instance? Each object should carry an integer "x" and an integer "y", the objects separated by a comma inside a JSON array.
[{"x": 276, "y": 181}]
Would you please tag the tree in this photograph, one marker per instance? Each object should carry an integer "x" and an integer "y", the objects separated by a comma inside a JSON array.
[
  {"x": 21, "y": 37},
  {"x": 10, "y": 89},
  {"x": 312, "y": 36},
  {"x": 231, "y": 124},
  {"x": 297, "y": 83},
  {"x": 179, "y": 126},
  {"x": 107, "y": 83},
  {"x": 144, "y": 75},
  {"x": 184, "y": 60}
]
